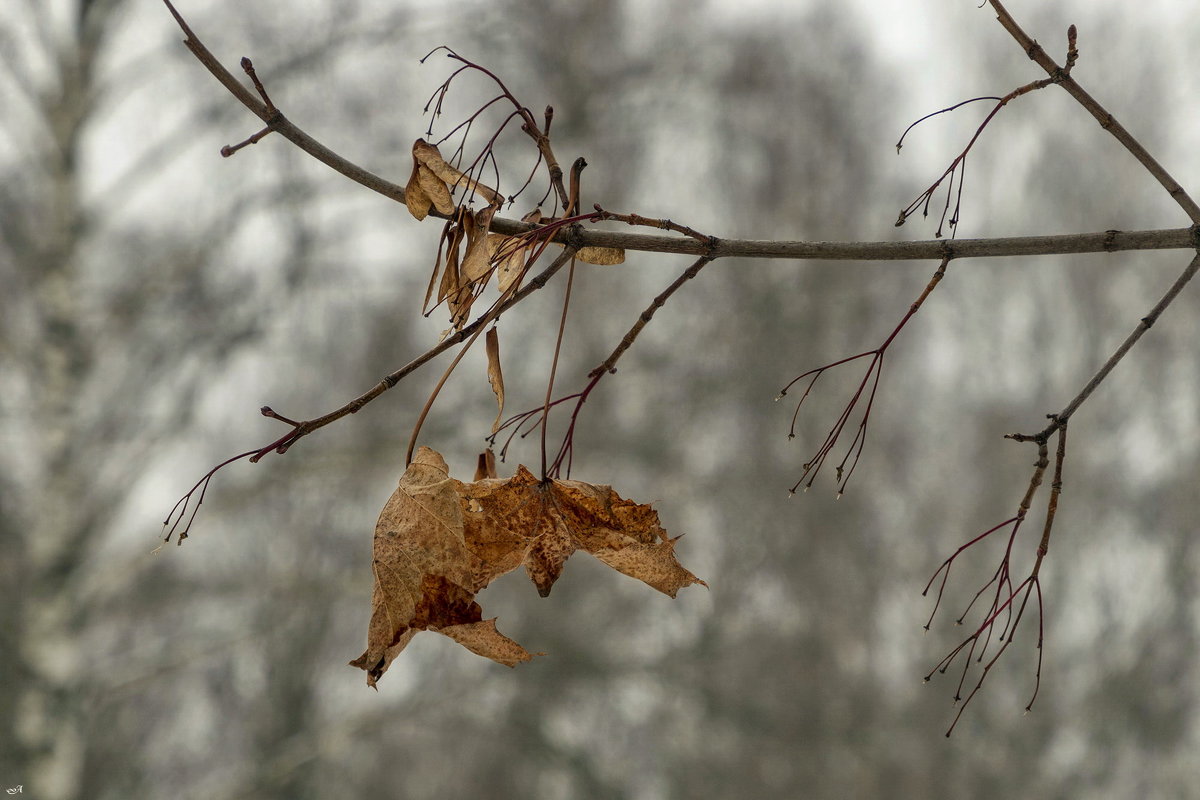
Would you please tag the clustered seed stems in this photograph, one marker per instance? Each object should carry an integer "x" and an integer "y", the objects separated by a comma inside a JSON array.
[{"x": 871, "y": 377}]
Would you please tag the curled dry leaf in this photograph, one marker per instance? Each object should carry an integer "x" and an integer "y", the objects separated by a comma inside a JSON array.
[
  {"x": 439, "y": 541},
  {"x": 450, "y": 284},
  {"x": 425, "y": 190},
  {"x": 437, "y": 191},
  {"x": 485, "y": 467},
  {"x": 477, "y": 261},
  {"x": 603, "y": 256},
  {"x": 430, "y": 157},
  {"x": 432, "y": 181},
  {"x": 455, "y": 289},
  {"x": 509, "y": 254},
  {"x": 495, "y": 376},
  {"x": 461, "y": 281}
]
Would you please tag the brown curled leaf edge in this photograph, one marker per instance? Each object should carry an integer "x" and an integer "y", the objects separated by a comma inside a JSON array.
[{"x": 440, "y": 541}]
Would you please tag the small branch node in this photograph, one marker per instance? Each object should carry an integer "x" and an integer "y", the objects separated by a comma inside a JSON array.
[
  {"x": 1072, "y": 50},
  {"x": 267, "y": 411},
  {"x": 248, "y": 66},
  {"x": 230, "y": 149}
]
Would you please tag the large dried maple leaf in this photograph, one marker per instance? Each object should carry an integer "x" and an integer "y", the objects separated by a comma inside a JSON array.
[{"x": 439, "y": 541}]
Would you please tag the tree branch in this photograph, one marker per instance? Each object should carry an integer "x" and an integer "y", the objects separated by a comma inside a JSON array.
[
  {"x": 1107, "y": 241},
  {"x": 1059, "y": 420},
  {"x": 179, "y": 520},
  {"x": 1061, "y": 76}
]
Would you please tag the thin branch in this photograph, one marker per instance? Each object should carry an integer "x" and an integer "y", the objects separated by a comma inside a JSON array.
[
  {"x": 958, "y": 166},
  {"x": 416, "y": 431},
  {"x": 1059, "y": 420},
  {"x": 1061, "y": 76},
  {"x": 1002, "y": 578},
  {"x": 1102, "y": 242},
  {"x": 872, "y": 376},
  {"x": 301, "y": 429},
  {"x": 1005, "y": 594},
  {"x": 610, "y": 364},
  {"x": 522, "y": 424},
  {"x": 558, "y": 340}
]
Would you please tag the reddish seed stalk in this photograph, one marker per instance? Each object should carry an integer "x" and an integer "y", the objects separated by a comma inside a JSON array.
[{"x": 872, "y": 375}]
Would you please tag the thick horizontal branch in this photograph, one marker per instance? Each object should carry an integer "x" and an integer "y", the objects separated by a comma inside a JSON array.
[
  {"x": 1107, "y": 241},
  {"x": 1103, "y": 242}
]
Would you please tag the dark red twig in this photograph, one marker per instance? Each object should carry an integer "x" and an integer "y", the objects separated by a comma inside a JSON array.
[
  {"x": 525, "y": 423},
  {"x": 871, "y": 377},
  {"x": 1004, "y": 596},
  {"x": 954, "y": 173}
]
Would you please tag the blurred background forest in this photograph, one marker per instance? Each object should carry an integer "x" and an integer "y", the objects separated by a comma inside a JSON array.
[{"x": 156, "y": 295}]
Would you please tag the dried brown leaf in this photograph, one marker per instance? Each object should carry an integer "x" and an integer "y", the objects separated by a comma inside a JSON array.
[
  {"x": 450, "y": 282},
  {"x": 604, "y": 256},
  {"x": 415, "y": 197},
  {"x": 495, "y": 376},
  {"x": 439, "y": 541},
  {"x": 486, "y": 466},
  {"x": 477, "y": 262},
  {"x": 509, "y": 255},
  {"x": 437, "y": 191},
  {"x": 437, "y": 268},
  {"x": 428, "y": 155},
  {"x": 424, "y": 573}
]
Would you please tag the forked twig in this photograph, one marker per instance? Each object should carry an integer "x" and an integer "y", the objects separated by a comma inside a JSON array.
[
  {"x": 1004, "y": 594},
  {"x": 522, "y": 424},
  {"x": 872, "y": 376},
  {"x": 1061, "y": 76},
  {"x": 301, "y": 429}
]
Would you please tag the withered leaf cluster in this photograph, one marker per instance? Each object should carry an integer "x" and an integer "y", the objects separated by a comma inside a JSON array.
[
  {"x": 432, "y": 181},
  {"x": 440, "y": 541},
  {"x": 468, "y": 254}
]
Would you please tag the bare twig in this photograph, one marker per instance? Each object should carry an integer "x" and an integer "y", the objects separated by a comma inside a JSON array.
[
  {"x": 1106, "y": 241},
  {"x": 558, "y": 340},
  {"x": 609, "y": 365},
  {"x": 299, "y": 430},
  {"x": 540, "y": 135},
  {"x": 872, "y": 376},
  {"x": 521, "y": 424},
  {"x": 1144, "y": 324},
  {"x": 1061, "y": 76},
  {"x": 1005, "y": 594},
  {"x": 958, "y": 166}
]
